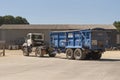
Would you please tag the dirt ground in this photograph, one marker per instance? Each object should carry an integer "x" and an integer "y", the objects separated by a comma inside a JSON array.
[
  {"x": 107, "y": 54},
  {"x": 15, "y": 66}
]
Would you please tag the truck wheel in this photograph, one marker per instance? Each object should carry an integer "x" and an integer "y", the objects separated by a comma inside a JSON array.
[
  {"x": 38, "y": 53},
  {"x": 96, "y": 56},
  {"x": 25, "y": 51},
  {"x": 52, "y": 55},
  {"x": 79, "y": 55},
  {"x": 69, "y": 54}
]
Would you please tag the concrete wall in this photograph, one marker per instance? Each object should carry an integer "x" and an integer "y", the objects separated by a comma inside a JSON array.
[{"x": 17, "y": 36}]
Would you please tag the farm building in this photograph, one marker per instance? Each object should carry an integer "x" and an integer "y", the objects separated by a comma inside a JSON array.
[{"x": 14, "y": 34}]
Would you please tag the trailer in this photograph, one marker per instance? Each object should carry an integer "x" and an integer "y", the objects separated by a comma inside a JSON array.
[{"x": 79, "y": 44}]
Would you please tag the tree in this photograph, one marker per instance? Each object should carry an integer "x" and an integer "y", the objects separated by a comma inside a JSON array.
[
  {"x": 1, "y": 20},
  {"x": 117, "y": 24},
  {"x": 25, "y": 21},
  {"x": 8, "y": 19},
  {"x": 20, "y": 20}
]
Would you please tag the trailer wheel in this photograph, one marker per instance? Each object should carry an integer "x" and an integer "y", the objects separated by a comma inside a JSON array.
[
  {"x": 69, "y": 54},
  {"x": 96, "y": 56},
  {"x": 79, "y": 55},
  {"x": 52, "y": 55},
  {"x": 25, "y": 51}
]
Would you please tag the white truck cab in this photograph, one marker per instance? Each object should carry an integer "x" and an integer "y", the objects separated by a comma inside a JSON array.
[{"x": 34, "y": 39}]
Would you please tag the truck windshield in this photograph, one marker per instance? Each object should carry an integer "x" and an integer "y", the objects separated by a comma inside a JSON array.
[{"x": 36, "y": 37}]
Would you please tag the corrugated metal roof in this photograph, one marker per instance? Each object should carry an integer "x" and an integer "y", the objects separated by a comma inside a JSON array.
[{"x": 59, "y": 26}]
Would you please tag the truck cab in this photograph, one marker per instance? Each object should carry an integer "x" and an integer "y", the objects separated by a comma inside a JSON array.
[{"x": 32, "y": 41}]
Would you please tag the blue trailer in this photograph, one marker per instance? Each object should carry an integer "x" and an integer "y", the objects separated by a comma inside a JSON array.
[{"x": 79, "y": 44}]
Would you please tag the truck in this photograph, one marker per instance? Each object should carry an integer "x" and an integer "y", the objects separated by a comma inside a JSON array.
[
  {"x": 76, "y": 44},
  {"x": 80, "y": 44},
  {"x": 35, "y": 42}
]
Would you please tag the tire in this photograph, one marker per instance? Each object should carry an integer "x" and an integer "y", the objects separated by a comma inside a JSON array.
[
  {"x": 38, "y": 53},
  {"x": 79, "y": 55},
  {"x": 50, "y": 52},
  {"x": 52, "y": 55},
  {"x": 25, "y": 51},
  {"x": 96, "y": 56},
  {"x": 69, "y": 54}
]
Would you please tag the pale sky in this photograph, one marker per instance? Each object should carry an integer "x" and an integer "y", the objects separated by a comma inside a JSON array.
[{"x": 63, "y": 11}]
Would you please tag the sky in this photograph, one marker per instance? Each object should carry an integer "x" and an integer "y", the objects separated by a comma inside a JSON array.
[{"x": 63, "y": 11}]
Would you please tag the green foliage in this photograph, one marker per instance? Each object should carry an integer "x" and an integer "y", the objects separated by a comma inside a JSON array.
[
  {"x": 117, "y": 24},
  {"x": 1, "y": 20},
  {"x": 8, "y": 19},
  {"x": 20, "y": 20}
]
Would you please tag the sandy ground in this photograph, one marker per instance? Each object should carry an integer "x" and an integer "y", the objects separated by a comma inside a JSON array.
[
  {"x": 107, "y": 54},
  {"x": 15, "y": 66}
]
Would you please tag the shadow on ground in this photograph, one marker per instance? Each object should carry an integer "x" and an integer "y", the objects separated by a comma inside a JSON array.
[
  {"x": 109, "y": 60},
  {"x": 102, "y": 60}
]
